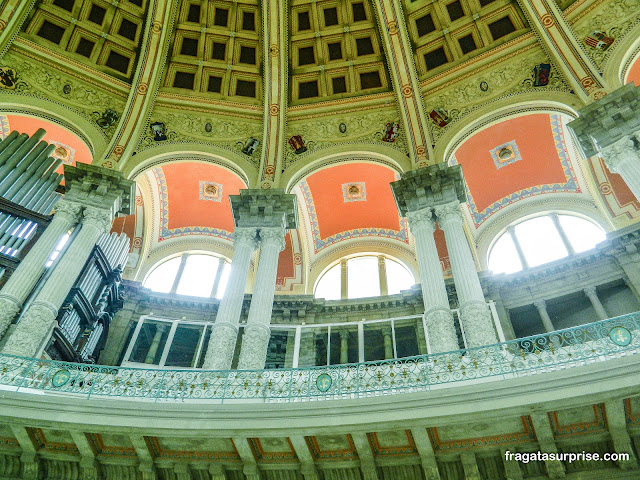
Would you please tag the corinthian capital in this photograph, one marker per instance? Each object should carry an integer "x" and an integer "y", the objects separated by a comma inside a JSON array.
[
  {"x": 619, "y": 152},
  {"x": 420, "y": 219},
  {"x": 97, "y": 217},
  {"x": 448, "y": 214},
  {"x": 245, "y": 235},
  {"x": 69, "y": 211},
  {"x": 273, "y": 236}
]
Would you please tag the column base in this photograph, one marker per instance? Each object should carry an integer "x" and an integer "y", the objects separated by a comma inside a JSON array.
[
  {"x": 33, "y": 330},
  {"x": 478, "y": 324},
  {"x": 441, "y": 330},
  {"x": 253, "y": 353},
  {"x": 9, "y": 308},
  {"x": 222, "y": 344}
]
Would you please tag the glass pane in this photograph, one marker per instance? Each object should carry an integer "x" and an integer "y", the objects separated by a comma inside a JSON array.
[
  {"x": 161, "y": 279},
  {"x": 280, "y": 349},
  {"x": 314, "y": 343},
  {"x": 540, "y": 241},
  {"x": 150, "y": 342},
  {"x": 583, "y": 234},
  {"x": 398, "y": 277},
  {"x": 363, "y": 279},
  {"x": 224, "y": 279},
  {"x": 184, "y": 347},
  {"x": 406, "y": 338},
  {"x": 205, "y": 344},
  {"x": 344, "y": 345},
  {"x": 329, "y": 285},
  {"x": 504, "y": 256},
  {"x": 198, "y": 275},
  {"x": 376, "y": 347}
]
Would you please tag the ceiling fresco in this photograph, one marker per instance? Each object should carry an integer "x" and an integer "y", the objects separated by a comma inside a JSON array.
[
  {"x": 194, "y": 199},
  {"x": 633, "y": 75},
  {"x": 515, "y": 159}
]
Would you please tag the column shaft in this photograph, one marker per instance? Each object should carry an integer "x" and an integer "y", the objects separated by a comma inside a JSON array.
[
  {"x": 591, "y": 293},
  {"x": 344, "y": 346},
  {"x": 20, "y": 284},
  {"x": 541, "y": 305},
  {"x": 438, "y": 316},
  {"x": 38, "y": 321},
  {"x": 621, "y": 157},
  {"x": 253, "y": 352},
  {"x": 474, "y": 312},
  {"x": 388, "y": 344},
  {"x": 225, "y": 330}
]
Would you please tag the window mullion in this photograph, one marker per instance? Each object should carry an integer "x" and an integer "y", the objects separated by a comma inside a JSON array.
[
  {"x": 563, "y": 234},
  {"x": 216, "y": 282},
  {"x": 176, "y": 281},
  {"x": 343, "y": 279},
  {"x": 516, "y": 243}
]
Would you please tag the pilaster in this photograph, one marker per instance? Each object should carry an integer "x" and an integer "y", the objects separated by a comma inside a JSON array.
[
  {"x": 617, "y": 424},
  {"x": 544, "y": 434}
]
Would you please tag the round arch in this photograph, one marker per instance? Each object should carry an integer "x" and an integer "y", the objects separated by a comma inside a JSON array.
[
  {"x": 85, "y": 129},
  {"x": 356, "y": 153},
  {"x": 531, "y": 102},
  {"x": 191, "y": 152},
  {"x": 622, "y": 58}
]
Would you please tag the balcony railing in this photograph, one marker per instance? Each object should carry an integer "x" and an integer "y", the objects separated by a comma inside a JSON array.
[{"x": 572, "y": 347}]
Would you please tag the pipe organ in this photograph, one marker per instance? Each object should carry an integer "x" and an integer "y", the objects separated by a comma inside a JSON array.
[
  {"x": 28, "y": 183},
  {"x": 83, "y": 320}
]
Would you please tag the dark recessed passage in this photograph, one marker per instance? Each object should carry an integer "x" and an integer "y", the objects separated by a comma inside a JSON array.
[
  {"x": 425, "y": 25},
  {"x": 306, "y": 56},
  {"x": 359, "y": 13},
  {"x": 136, "y": 2},
  {"x": 219, "y": 50},
  {"x": 330, "y": 16},
  {"x": 370, "y": 80},
  {"x": 249, "y": 21},
  {"x": 118, "y": 62},
  {"x": 96, "y": 14},
  {"x": 66, "y": 4},
  {"x": 194, "y": 13},
  {"x": 215, "y": 84},
  {"x": 467, "y": 44},
  {"x": 501, "y": 27},
  {"x": 303, "y": 21},
  {"x": 335, "y": 51},
  {"x": 364, "y": 46},
  {"x": 455, "y": 10},
  {"x": 85, "y": 47},
  {"x": 245, "y": 88},
  {"x": 128, "y": 29},
  {"x": 184, "y": 80},
  {"x": 435, "y": 58},
  {"x": 484, "y": 3},
  {"x": 51, "y": 32},
  {"x": 189, "y": 47},
  {"x": 339, "y": 84},
  {"x": 248, "y": 55},
  {"x": 308, "y": 89},
  {"x": 221, "y": 17}
]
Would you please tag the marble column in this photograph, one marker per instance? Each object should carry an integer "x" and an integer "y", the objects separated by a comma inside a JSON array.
[
  {"x": 474, "y": 312},
  {"x": 438, "y": 315},
  {"x": 344, "y": 346},
  {"x": 39, "y": 319},
  {"x": 155, "y": 343},
  {"x": 591, "y": 293},
  {"x": 541, "y": 305},
  {"x": 253, "y": 352},
  {"x": 388, "y": 343},
  {"x": 621, "y": 157},
  {"x": 225, "y": 330},
  {"x": 26, "y": 276}
]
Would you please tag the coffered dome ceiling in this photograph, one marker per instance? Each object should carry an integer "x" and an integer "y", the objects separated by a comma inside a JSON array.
[{"x": 328, "y": 99}]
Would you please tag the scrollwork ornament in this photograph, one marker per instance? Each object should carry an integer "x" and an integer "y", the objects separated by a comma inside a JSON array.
[
  {"x": 478, "y": 324},
  {"x": 421, "y": 219},
  {"x": 618, "y": 153},
  {"x": 273, "y": 236},
  {"x": 441, "y": 329},
  {"x": 28, "y": 335},
  {"x": 253, "y": 353},
  {"x": 97, "y": 217},
  {"x": 9, "y": 308},
  {"x": 448, "y": 214},
  {"x": 221, "y": 347}
]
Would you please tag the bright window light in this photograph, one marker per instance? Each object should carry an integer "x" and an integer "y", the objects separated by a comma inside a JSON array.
[
  {"x": 329, "y": 285},
  {"x": 398, "y": 277},
  {"x": 363, "y": 279},
  {"x": 198, "y": 276},
  {"x": 224, "y": 279},
  {"x": 504, "y": 256},
  {"x": 583, "y": 234},
  {"x": 540, "y": 241},
  {"x": 161, "y": 279},
  {"x": 61, "y": 243}
]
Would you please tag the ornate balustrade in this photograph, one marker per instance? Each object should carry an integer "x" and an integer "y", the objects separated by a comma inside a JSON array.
[{"x": 595, "y": 342}]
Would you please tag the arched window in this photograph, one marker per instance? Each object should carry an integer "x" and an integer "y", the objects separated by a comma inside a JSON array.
[
  {"x": 364, "y": 276},
  {"x": 543, "y": 239},
  {"x": 195, "y": 274}
]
